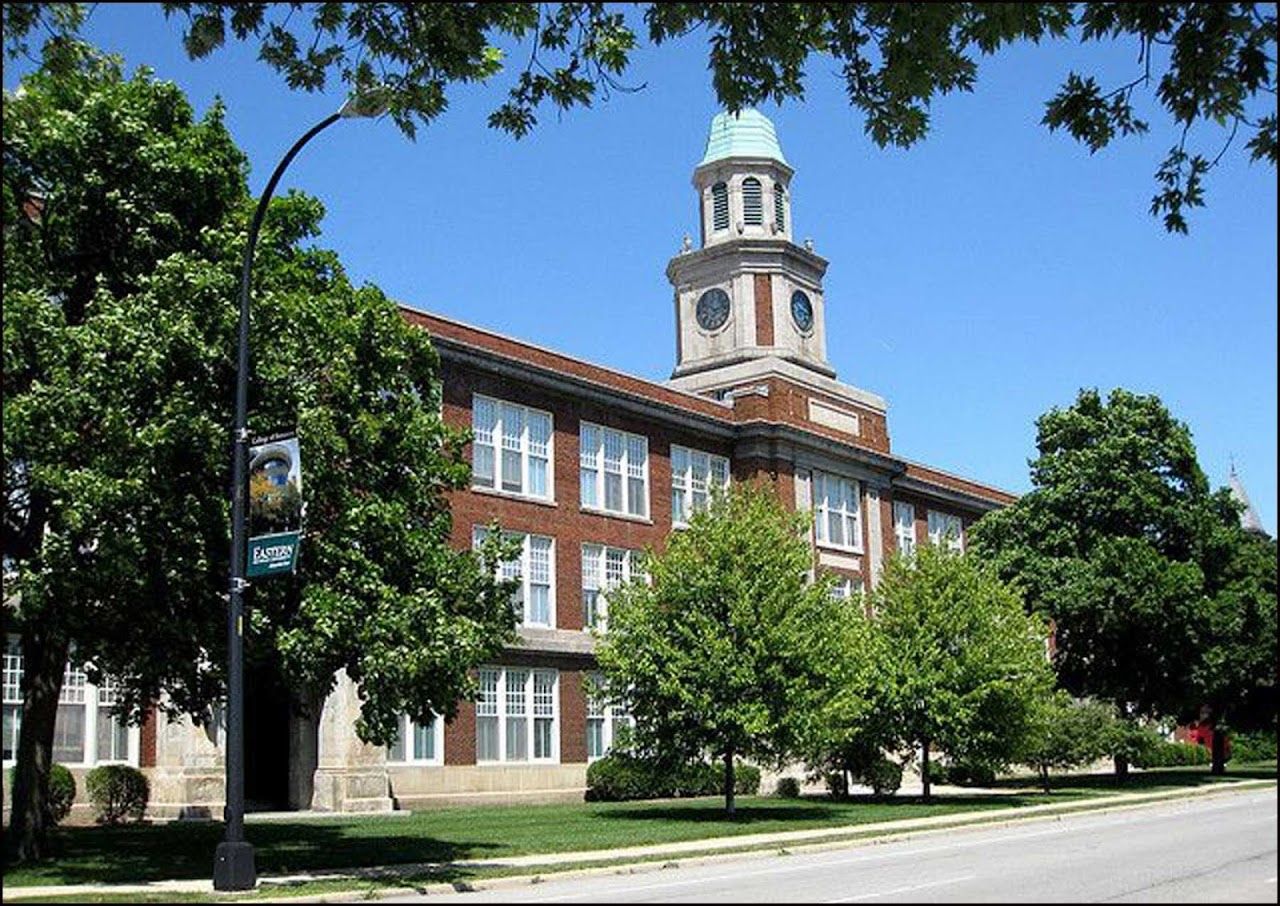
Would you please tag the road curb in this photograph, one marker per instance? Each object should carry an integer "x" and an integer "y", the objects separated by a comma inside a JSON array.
[{"x": 661, "y": 856}]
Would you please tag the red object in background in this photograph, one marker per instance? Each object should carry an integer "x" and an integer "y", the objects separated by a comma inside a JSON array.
[{"x": 1202, "y": 734}]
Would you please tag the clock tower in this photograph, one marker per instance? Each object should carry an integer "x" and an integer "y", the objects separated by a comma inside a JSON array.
[{"x": 748, "y": 293}]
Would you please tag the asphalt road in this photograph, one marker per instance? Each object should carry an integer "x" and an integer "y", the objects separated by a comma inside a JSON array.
[{"x": 1222, "y": 849}]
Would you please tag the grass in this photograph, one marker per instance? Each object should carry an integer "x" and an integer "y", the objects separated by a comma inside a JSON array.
[{"x": 185, "y": 850}]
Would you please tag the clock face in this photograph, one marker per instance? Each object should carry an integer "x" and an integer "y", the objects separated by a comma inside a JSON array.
[
  {"x": 802, "y": 311},
  {"x": 713, "y": 309}
]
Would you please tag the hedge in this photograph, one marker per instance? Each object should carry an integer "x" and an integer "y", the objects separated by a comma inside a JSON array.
[
  {"x": 619, "y": 777},
  {"x": 1256, "y": 746},
  {"x": 1174, "y": 755}
]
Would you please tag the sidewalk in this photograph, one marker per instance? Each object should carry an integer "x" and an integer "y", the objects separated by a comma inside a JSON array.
[{"x": 865, "y": 833}]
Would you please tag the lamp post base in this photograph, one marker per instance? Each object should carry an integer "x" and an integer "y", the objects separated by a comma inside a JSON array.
[{"x": 233, "y": 866}]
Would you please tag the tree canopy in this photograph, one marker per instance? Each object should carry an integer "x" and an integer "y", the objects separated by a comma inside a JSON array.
[
  {"x": 726, "y": 649},
  {"x": 964, "y": 666},
  {"x": 1161, "y": 603},
  {"x": 125, "y": 222},
  {"x": 1209, "y": 66}
]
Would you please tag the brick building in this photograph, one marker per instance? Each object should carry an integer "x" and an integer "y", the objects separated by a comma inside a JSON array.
[{"x": 589, "y": 465}]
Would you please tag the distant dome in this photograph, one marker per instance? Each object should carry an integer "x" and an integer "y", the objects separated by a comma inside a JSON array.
[{"x": 749, "y": 134}]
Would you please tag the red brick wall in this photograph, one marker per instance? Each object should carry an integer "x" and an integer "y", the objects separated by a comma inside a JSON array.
[
  {"x": 573, "y": 716},
  {"x": 460, "y": 736},
  {"x": 565, "y": 520},
  {"x": 764, "y": 309},
  {"x": 147, "y": 739}
]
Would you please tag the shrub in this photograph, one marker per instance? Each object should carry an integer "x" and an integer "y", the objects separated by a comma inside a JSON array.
[
  {"x": 787, "y": 788},
  {"x": 62, "y": 792},
  {"x": 884, "y": 776},
  {"x": 966, "y": 774},
  {"x": 746, "y": 779},
  {"x": 937, "y": 772},
  {"x": 118, "y": 792},
  {"x": 1256, "y": 746},
  {"x": 620, "y": 777},
  {"x": 1173, "y": 755}
]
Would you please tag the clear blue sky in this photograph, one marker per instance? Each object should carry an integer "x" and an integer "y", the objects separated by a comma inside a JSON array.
[{"x": 975, "y": 281}]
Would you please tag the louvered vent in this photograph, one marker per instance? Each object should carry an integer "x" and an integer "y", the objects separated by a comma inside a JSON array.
[
  {"x": 720, "y": 206},
  {"x": 752, "y": 202},
  {"x": 779, "y": 211}
]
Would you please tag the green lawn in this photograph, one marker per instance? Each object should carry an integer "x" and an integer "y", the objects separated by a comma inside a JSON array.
[{"x": 185, "y": 850}]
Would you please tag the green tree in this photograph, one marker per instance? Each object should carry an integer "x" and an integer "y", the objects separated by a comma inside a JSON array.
[
  {"x": 1208, "y": 65},
  {"x": 726, "y": 649},
  {"x": 850, "y": 729},
  {"x": 1122, "y": 545},
  {"x": 1066, "y": 734},
  {"x": 1234, "y": 676},
  {"x": 124, "y": 222},
  {"x": 964, "y": 664}
]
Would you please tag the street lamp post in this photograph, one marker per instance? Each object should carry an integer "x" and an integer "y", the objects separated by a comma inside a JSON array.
[{"x": 233, "y": 863}]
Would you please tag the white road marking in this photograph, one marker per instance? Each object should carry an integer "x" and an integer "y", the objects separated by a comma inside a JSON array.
[{"x": 896, "y": 890}]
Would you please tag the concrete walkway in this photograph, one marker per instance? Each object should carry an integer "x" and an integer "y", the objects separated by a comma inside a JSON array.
[{"x": 868, "y": 832}]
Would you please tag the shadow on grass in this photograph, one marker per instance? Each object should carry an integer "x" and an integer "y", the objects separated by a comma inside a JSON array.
[
  {"x": 853, "y": 810},
  {"x": 96, "y": 855},
  {"x": 1137, "y": 781}
]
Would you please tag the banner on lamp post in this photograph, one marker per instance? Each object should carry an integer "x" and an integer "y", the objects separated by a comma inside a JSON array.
[{"x": 275, "y": 507}]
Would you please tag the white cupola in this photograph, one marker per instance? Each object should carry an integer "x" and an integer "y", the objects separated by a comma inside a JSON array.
[{"x": 748, "y": 291}]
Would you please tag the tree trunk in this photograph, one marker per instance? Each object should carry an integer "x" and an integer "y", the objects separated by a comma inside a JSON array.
[
  {"x": 728, "y": 781},
  {"x": 1218, "y": 743},
  {"x": 1122, "y": 767},
  {"x": 44, "y": 663},
  {"x": 1044, "y": 777},
  {"x": 924, "y": 769}
]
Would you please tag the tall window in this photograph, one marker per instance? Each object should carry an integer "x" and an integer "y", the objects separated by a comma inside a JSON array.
[
  {"x": 605, "y": 720},
  {"x": 12, "y": 697},
  {"x": 604, "y": 568},
  {"x": 86, "y": 730},
  {"x": 693, "y": 473},
  {"x": 752, "y": 201},
  {"x": 517, "y": 715},
  {"x": 946, "y": 526},
  {"x": 512, "y": 448},
  {"x": 837, "y": 515},
  {"x": 534, "y": 573},
  {"x": 719, "y": 206},
  {"x": 614, "y": 470},
  {"x": 417, "y": 743},
  {"x": 904, "y": 526},
  {"x": 779, "y": 206}
]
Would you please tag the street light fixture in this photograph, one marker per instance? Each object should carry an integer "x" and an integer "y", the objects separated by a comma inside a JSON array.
[{"x": 233, "y": 863}]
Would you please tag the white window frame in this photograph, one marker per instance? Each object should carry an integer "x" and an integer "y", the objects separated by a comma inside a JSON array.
[
  {"x": 493, "y": 440},
  {"x": 530, "y": 716},
  {"x": 607, "y": 714},
  {"x": 904, "y": 529},
  {"x": 943, "y": 524},
  {"x": 76, "y": 690},
  {"x": 522, "y": 569},
  {"x": 851, "y": 519},
  {"x": 405, "y": 727},
  {"x": 593, "y": 462},
  {"x": 596, "y": 578},
  {"x": 684, "y": 490}
]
